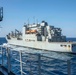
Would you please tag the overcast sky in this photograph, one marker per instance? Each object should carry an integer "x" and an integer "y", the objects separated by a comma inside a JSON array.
[{"x": 60, "y": 13}]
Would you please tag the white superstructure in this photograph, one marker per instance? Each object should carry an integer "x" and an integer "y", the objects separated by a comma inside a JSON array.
[{"x": 41, "y": 36}]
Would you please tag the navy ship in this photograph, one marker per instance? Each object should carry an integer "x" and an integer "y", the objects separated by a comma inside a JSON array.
[{"x": 41, "y": 36}]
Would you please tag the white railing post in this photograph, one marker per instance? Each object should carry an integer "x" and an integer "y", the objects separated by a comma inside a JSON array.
[
  {"x": 69, "y": 67},
  {"x": 2, "y": 56},
  {"x": 30, "y": 68},
  {"x": 21, "y": 62},
  {"x": 8, "y": 61},
  {"x": 39, "y": 64}
]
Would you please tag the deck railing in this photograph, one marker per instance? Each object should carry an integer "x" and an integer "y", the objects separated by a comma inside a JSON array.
[{"x": 24, "y": 63}]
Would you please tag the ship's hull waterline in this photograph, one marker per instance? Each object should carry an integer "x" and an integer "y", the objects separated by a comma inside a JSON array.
[{"x": 50, "y": 46}]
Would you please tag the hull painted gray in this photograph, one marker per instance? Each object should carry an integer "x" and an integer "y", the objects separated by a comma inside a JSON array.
[{"x": 51, "y": 46}]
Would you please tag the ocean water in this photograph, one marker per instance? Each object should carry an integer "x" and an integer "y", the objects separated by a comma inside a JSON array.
[
  {"x": 52, "y": 63},
  {"x": 2, "y": 40},
  {"x": 71, "y": 39}
]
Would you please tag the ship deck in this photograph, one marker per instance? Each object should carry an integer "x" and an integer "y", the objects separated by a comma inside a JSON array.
[
  {"x": 4, "y": 71},
  {"x": 32, "y": 61}
]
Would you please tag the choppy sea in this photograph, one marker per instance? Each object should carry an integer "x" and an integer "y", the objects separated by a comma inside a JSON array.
[{"x": 51, "y": 63}]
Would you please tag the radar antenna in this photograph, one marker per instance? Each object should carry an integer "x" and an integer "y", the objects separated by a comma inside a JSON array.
[
  {"x": 34, "y": 19},
  {"x": 28, "y": 21},
  {"x": 37, "y": 21}
]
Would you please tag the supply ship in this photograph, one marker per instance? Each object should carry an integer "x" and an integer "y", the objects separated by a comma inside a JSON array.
[{"x": 41, "y": 36}]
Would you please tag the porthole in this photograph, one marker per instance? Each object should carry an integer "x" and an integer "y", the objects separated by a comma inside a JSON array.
[
  {"x": 68, "y": 45},
  {"x": 61, "y": 45}
]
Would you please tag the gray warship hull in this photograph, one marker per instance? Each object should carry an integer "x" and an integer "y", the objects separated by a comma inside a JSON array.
[{"x": 49, "y": 46}]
